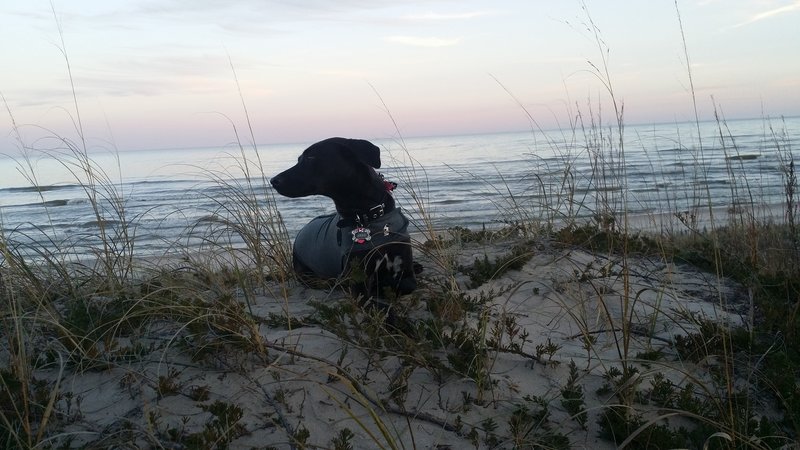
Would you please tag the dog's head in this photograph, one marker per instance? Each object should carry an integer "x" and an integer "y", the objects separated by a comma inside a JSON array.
[{"x": 328, "y": 166}]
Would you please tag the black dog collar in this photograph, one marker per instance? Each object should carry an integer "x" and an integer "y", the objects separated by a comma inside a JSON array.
[{"x": 362, "y": 218}]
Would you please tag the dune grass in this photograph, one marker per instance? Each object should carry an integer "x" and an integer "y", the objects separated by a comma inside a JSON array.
[
  {"x": 210, "y": 350},
  {"x": 714, "y": 383}
]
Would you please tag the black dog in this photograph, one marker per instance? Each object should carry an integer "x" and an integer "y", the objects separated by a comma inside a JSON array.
[{"x": 367, "y": 232}]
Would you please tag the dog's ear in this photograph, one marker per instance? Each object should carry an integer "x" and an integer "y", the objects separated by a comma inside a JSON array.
[{"x": 364, "y": 151}]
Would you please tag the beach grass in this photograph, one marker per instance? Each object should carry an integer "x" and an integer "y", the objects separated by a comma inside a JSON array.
[
  {"x": 560, "y": 329},
  {"x": 639, "y": 369}
]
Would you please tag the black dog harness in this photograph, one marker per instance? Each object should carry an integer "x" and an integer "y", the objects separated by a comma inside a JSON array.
[{"x": 326, "y": 243}]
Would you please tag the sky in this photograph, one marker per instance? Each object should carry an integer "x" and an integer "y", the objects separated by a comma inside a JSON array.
[{"x": 153, "y": 74}]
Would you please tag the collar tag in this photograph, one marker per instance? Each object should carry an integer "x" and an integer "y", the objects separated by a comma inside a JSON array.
[{"x": 361, "y": 235}]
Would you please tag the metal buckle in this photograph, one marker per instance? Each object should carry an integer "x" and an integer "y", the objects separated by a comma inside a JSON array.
[{"x": 375, "y": 215}]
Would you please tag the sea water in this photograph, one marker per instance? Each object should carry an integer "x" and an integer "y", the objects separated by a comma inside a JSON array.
[{"x": 488, "y": 180}]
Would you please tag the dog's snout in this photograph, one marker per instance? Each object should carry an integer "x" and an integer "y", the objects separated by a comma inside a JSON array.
[
  {"x": 281, "y": 184},
  {"x": 287, "y": 184}
]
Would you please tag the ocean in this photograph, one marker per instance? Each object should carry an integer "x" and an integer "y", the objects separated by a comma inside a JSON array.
[{"x": 474, "y": 181}]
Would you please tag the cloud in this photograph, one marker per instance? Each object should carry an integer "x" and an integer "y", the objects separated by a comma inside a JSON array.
[
  {"x": 269, "y": 11},
  {"x": 345, "y": 73},
  {"x": 431, "y": 16},
  {"x": 424, "y": 41},
  {"x": 771, "y": 13}
]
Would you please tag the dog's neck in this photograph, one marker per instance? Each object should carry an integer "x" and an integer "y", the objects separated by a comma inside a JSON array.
[{"x": 371, "y": 201}]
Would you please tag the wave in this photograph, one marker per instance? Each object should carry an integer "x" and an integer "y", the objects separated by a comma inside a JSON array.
[
  {"x": 45, "y": 188},
  {"x": 50, "y": 203},
  {"x": 44, "y": 204},
  {"x": 449, "y": 202},
  {"x": 99, "y": 223},
  {"x": 164, "y": 183},
  {"x": 742, "y": 157}
]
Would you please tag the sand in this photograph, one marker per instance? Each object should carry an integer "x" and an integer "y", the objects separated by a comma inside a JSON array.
[{"x": 310, "y": 378}]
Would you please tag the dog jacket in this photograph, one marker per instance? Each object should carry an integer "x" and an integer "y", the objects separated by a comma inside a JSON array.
[{"x": 325, "y": 248}]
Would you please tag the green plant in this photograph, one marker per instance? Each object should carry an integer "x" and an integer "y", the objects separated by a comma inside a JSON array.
[
  {"x": 221, "y": 429},
  {"x": 621, "y": 383},
  {"x": 549, "y": 349},
  {"x": 484, "y": 270},
  {"x": 342, "y": 440},
  {"x": 468, "y": 356},
  {"x": 530, "y": 428},
  {"x": 572, "y": 398},
  {"x": 620, "y": 424},
  {"x": 199, "y": 393},
  {"x": 506, "y": 335},
  {"x": 301, "y": 436},
  {"x": 490, "y": 438},
  {"x": 169, "y": 384},
  {"x": 27, "y": 407}
]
